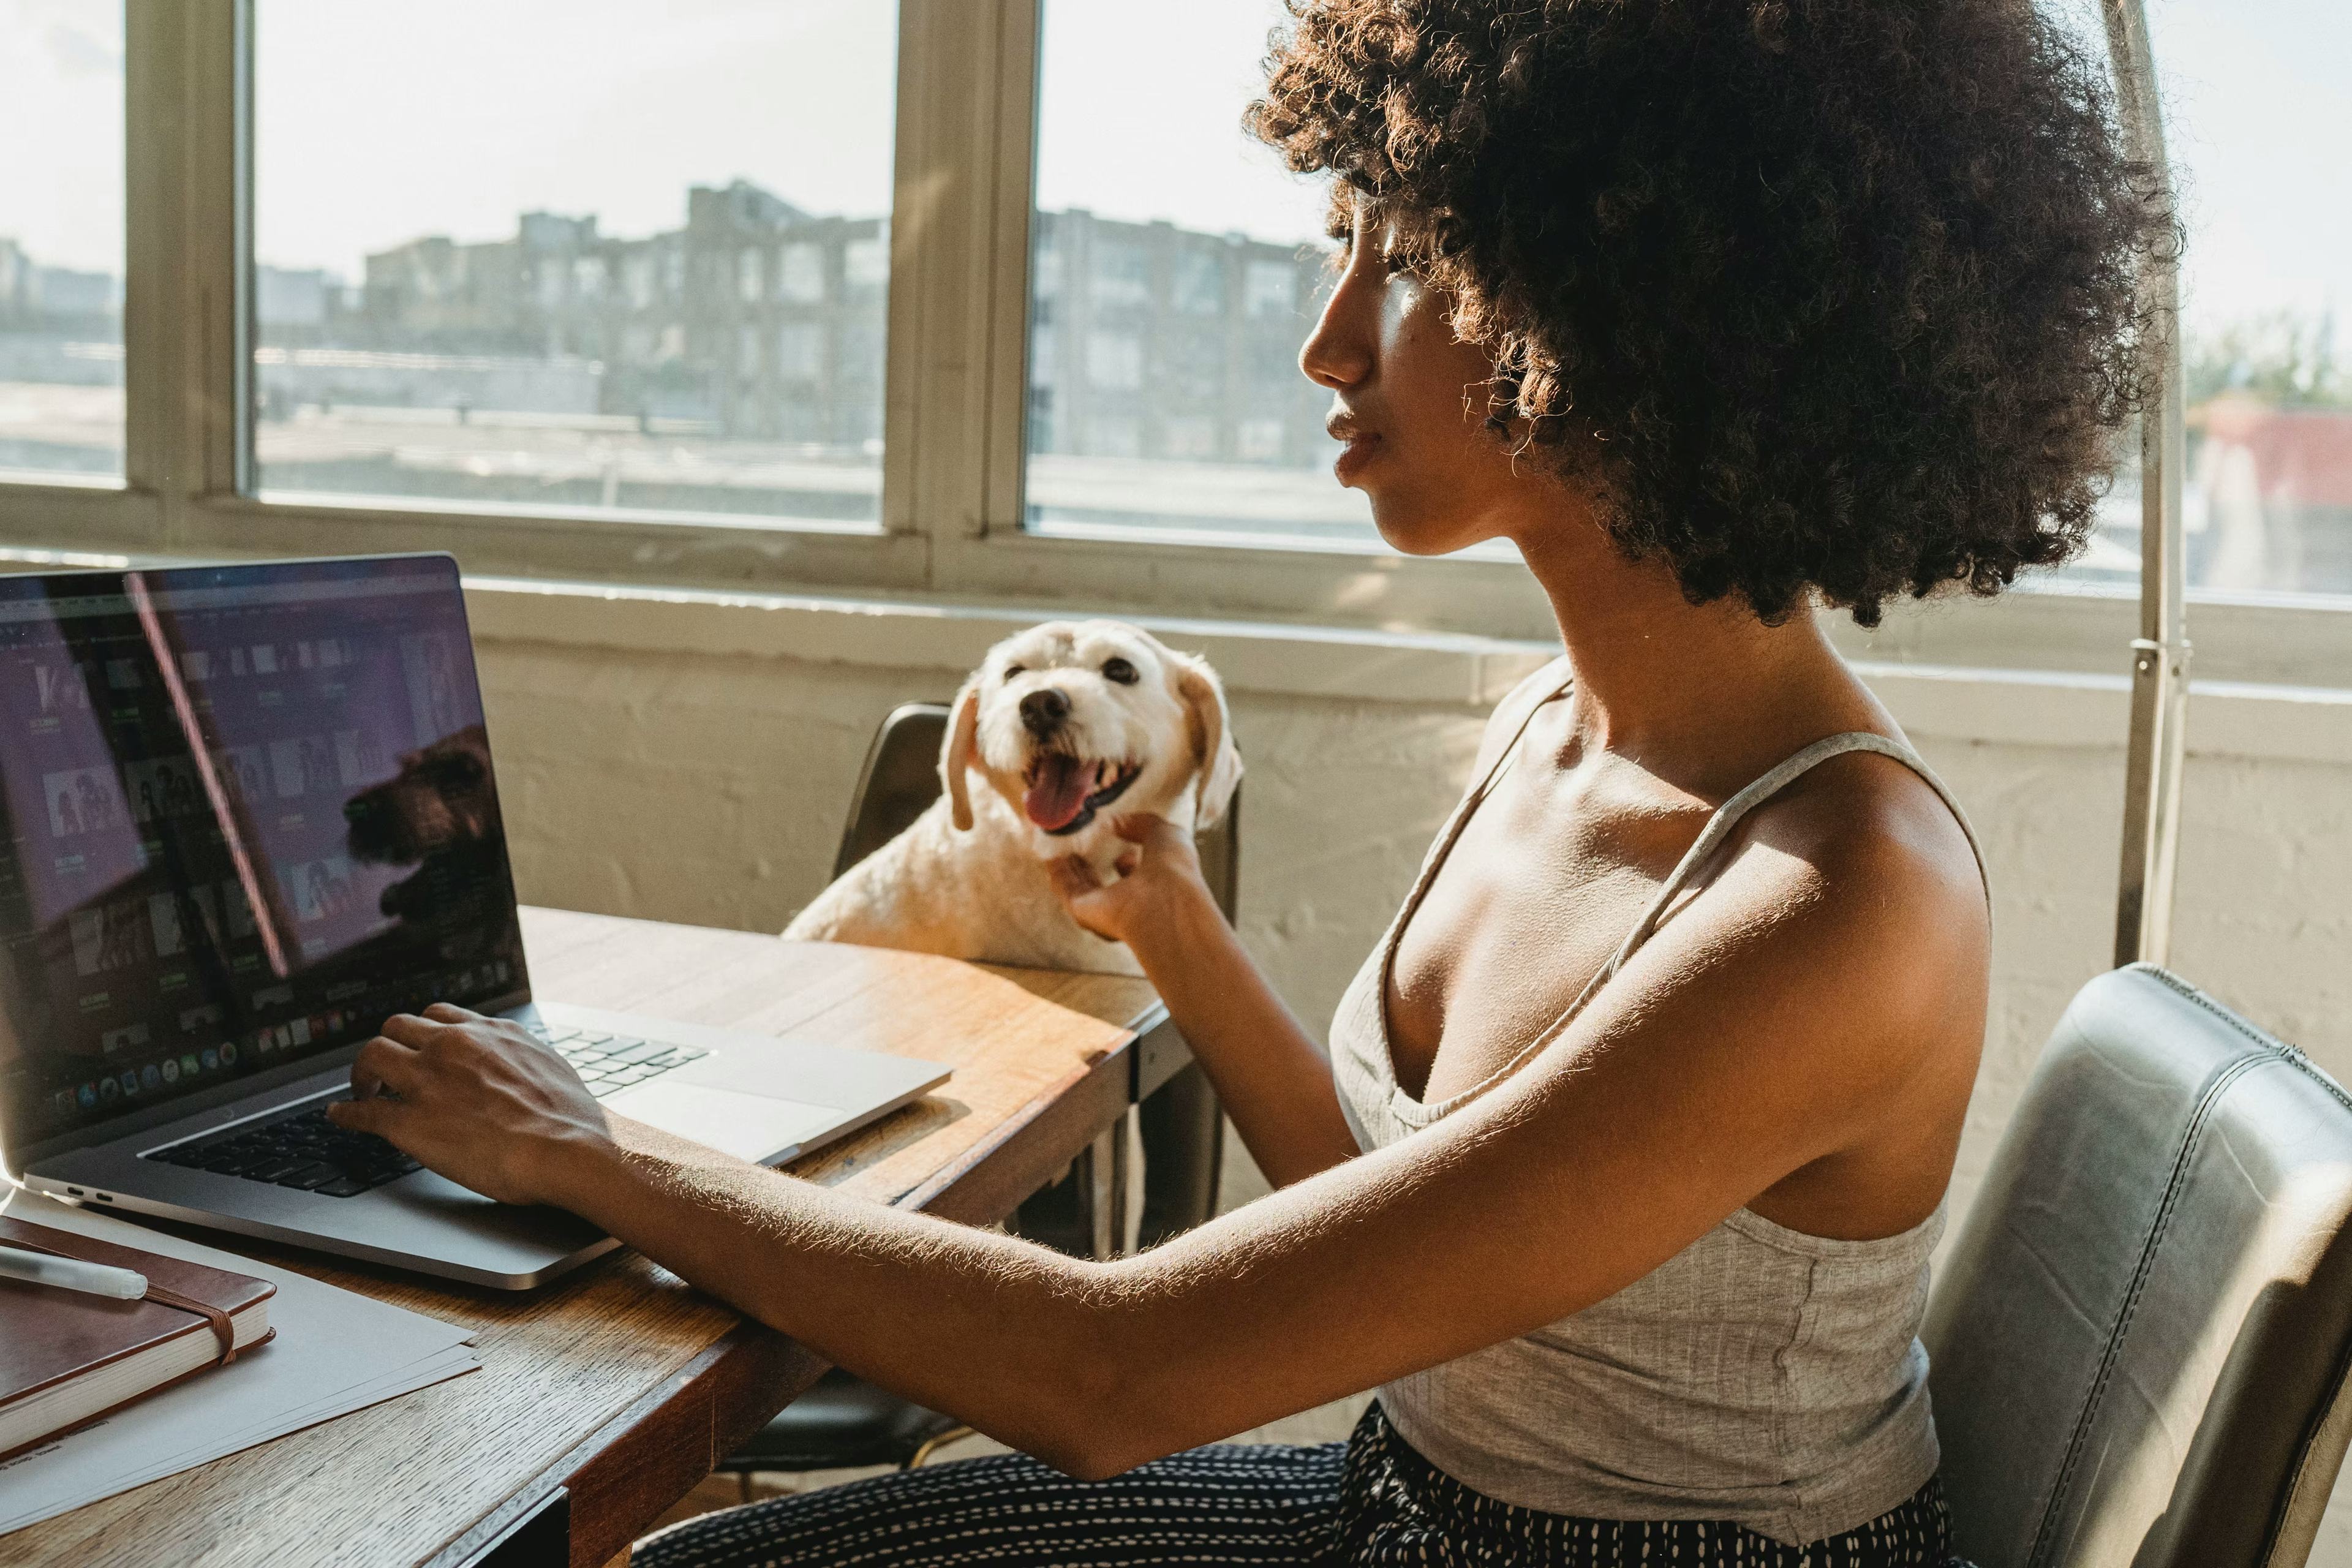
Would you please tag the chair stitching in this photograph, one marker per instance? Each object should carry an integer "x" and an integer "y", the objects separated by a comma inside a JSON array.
[
  {"x": 2291, "y": 1053},
  {"x": 2293, "y": 1057},
  {"x": 2192, "y": 1137}
]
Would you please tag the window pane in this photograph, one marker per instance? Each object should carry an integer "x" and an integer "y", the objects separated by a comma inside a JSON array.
[
  {"x": 592, "y": 255},
  {"x": 60, "y": 239},
  {"x": 2254, "y": 94},
  {"x": 1177, "y": 268}
]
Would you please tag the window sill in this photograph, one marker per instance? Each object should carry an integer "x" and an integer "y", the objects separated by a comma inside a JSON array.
[
  {"x": 2026, "y": 674},
  {"x": 2018, "y": 707}
]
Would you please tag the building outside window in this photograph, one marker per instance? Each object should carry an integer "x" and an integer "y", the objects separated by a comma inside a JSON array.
[
  {"x": 801, "y": 275},
  {"x": 1137, "y": 181},
  {"x": 1271, "y": 289},
  {"x": 653, "y": 285},
  {"x": 61, "y": 238},
  {"x": 1202, "y": 264},
  {"x": 455, "y": 226}
]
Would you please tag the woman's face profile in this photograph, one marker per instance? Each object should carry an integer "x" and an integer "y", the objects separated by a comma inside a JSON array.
[{"x": 1409, "y": 400}]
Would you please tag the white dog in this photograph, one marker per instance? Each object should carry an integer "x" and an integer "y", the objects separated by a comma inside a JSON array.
[{"x": 1061, "y": 722}]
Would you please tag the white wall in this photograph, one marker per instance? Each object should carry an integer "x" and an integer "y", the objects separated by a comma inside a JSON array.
[{"x": 687, "y": 766}]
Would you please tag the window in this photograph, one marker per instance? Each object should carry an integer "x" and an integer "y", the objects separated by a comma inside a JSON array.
[
  {"x": 534, "y": 253},
  {"x": 603, "y": 290},
  {"x": 1273, "y": 287},
  {"x": 866, "y": 259},
  {"x": 1180, "y": 268},
  {"x": 1122, "y": 272},
  {"x": 2253, "y": 99},
  {"x": 61, "y": 250},
  {"x": 2255, "y": 95},
  {"x": 1200, "y": 288},
  {"x": 800, "y": 351},
  {"x": 801, "y": 278},
  {"x": 1114, "y": 361}
]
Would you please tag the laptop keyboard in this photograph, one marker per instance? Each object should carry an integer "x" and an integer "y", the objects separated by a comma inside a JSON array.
[
  {"x": 300, "y": 1149},
  {"x": 608, "y": 1064},
  {"x": 303, "y": 1150}
]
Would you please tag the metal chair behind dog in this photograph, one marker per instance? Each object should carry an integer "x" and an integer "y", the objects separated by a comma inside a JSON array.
[
  {"x": 846, "y": 1422},
  {"x": 2138, "y": 1347}
]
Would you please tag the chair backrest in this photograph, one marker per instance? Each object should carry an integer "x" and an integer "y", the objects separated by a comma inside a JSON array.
[
  {"x": 2139, "y": 1343},
  {"x": 901, "y": 778}
]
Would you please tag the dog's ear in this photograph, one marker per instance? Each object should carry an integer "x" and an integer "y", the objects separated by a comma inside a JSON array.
[
  {"x": 955, "y": 757},
  {"x": 1214, "y": 756}
]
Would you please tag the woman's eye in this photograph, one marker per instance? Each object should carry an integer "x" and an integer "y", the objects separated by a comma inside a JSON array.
[
  {"x": 1012, "y": 670},
  {"x": 1118, "y": 669}
]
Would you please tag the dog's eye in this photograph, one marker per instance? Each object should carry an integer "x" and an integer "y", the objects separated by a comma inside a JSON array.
[
  {"x": 1118, "y": 669},
  {"x": 1012, "y": 670}
]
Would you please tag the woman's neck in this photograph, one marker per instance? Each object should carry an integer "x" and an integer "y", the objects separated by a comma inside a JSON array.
[{"x": 1694, "y": 693}]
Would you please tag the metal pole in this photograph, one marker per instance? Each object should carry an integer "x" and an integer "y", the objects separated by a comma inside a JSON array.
[{"x": 2159, "y": 712}]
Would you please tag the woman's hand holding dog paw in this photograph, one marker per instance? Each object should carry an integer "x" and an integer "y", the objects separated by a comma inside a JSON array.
[
  {"x": 482, "y": 1101},
  {"x": 1155, "y": 878}
]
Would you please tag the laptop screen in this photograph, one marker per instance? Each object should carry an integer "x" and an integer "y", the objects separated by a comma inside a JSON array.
[{"x": 249, "y": 814}]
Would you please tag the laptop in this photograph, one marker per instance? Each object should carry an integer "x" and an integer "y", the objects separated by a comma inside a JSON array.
[{"x": 249, "y": 815}]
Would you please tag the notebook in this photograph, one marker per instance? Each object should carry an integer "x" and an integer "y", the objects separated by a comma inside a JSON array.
[{"x": 67, "y": 1358}]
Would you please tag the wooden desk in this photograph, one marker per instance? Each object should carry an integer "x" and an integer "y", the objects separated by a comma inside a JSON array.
[{"x": 605, "y": 1397}]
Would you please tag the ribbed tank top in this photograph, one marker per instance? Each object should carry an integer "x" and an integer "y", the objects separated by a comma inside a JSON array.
[{"x": 1760, "y": 1375}]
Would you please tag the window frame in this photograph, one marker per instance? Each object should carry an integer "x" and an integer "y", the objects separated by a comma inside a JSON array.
[{"x": 955, "y": 404}]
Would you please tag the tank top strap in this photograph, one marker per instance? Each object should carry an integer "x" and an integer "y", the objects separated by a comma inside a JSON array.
[
  {"x": 1443, "y": 845},
  {"x": 1727, "y": 817},
  {"x": 1545, "y": 697}
]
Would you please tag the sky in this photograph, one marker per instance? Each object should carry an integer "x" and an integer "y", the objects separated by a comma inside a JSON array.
[{"x": 381, "y": 120}]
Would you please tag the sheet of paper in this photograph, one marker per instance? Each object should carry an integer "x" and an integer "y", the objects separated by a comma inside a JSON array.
[{"x": 336, "y": 1352}]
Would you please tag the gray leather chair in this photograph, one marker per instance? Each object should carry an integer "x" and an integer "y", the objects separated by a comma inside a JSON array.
[{"x": 2140, "y": 1342}]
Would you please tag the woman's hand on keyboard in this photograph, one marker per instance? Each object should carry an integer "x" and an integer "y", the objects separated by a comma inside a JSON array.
[{"x": 483, "y": 1102}]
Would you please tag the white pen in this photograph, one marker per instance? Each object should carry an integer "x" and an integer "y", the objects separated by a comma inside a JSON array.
[{"x": 70, "y": 1274}]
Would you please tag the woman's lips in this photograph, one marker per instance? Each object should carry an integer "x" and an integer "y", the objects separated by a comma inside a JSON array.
[{"x": 1354, "y": 456}]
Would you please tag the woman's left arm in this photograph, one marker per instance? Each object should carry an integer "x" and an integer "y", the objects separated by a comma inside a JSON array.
[{"x": 1776, "y": 1023}]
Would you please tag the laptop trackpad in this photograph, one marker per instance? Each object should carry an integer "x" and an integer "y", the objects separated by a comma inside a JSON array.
[{"x": 748, "y": 1126}]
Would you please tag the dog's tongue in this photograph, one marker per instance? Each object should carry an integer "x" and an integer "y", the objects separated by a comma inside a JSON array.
[{"x": 1057, "y": 794}]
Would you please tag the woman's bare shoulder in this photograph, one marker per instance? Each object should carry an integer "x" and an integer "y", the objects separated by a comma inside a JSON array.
[
  {"x": 1872, "y": 836},
  {"x": 1868, "y": 818}
]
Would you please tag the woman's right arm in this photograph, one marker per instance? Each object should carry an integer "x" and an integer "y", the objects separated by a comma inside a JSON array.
[{"x": 1273, "y": 1079}]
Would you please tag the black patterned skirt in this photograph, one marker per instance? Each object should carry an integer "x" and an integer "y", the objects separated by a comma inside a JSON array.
[
  {"x": 1396, "y": 1508},
  {"x": 1370, "y": 1502}
]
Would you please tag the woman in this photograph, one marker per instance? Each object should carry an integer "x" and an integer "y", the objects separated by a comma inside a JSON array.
[{"x": 1621, "y": 1175}]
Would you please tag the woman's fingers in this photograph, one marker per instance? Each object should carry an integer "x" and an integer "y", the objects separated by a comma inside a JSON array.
[
  {"x": 365, "y": 1115},
  {"x": 1142, "y": 827},
  {"x": 481, "y": 1102},
  {"x": 383, "y": 1065},
  {"x": 414, "y": 1032}
]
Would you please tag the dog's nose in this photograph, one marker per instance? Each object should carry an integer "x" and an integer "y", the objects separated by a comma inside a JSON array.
[{"x": 1042, "y": 710}]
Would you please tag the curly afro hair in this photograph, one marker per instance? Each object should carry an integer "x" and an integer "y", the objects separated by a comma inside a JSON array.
[{"x": 1845, "y": 290}]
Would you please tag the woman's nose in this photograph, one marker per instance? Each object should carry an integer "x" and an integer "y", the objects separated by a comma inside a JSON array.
[{"x": 1342, "y": 348}]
